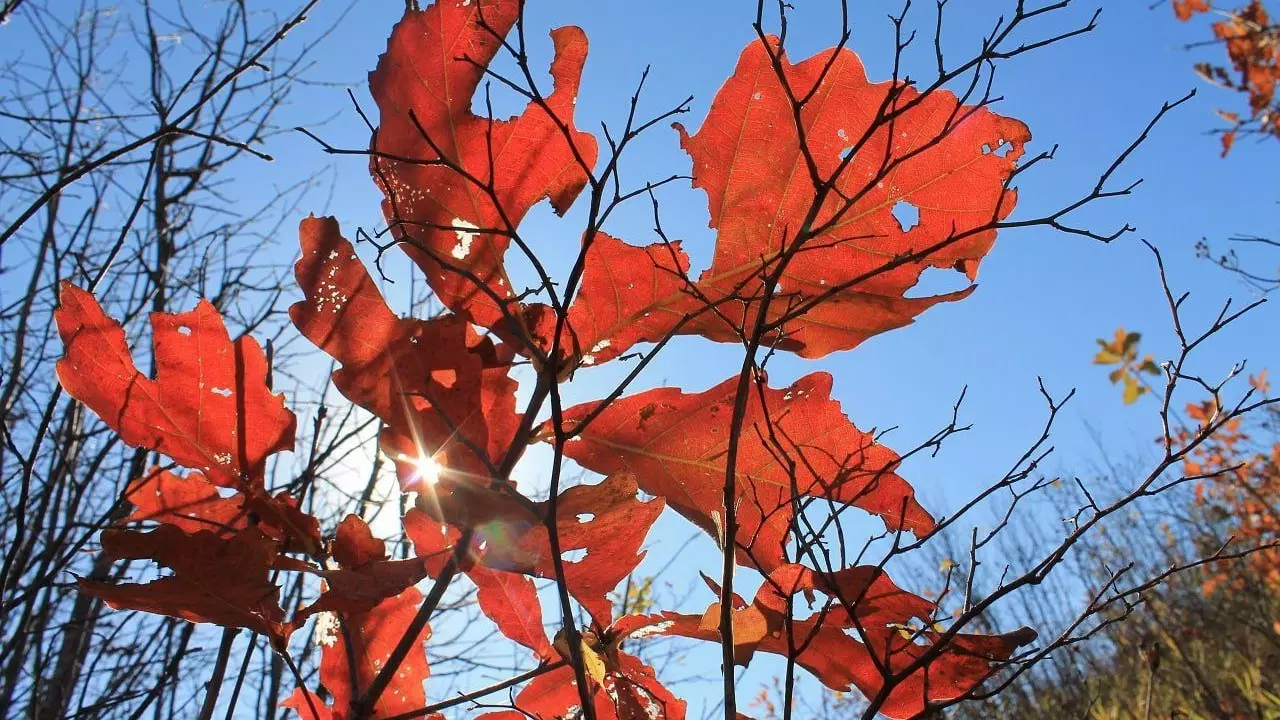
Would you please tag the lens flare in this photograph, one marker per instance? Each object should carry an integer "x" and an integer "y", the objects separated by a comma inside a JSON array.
[{"x": 428, "y": 469}]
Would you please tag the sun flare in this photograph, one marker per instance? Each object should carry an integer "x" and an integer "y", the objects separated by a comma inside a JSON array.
[{"x": 427, "y": 469}]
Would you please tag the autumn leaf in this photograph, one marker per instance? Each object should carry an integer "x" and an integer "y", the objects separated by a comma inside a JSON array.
[
  {"x": 629, "y": 690},
  {"x": 606, "y": 520},
  {"x": 1122, "y": 351},
  {"x": 674, "y": 443},
  {"x": 551, "y": 696},
  {"x": 877, "y": 601},
  {"x": 847, "y": 651},
  {"x": 456, "y": 183},
  {"x": 373, "y": 635},
  {"x": 511, "y": 601},
  {"x": 190, "y": 503},
  {"x": 209, "y": 408},
  {"x": 364, "y": 577},
  {"x": 193, "y": 503},
  {"x": 947, "y": 162},
  {"x": 217, "y": 580},
  {"x": 1185, "y": 9},
  {"x": 442, "y": 390},
  {"x": 1248, "y": 36},
  {"x": 849, "y": 281},
  {"x": 610, "y": 523},
  {"x": 628, "y": 295}
]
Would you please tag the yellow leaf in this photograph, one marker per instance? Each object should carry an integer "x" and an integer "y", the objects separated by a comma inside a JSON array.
[{"x": 592, "y": 663}]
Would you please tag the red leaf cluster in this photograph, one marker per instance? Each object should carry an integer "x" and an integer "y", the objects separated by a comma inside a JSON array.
[
  {"x": 951, "y": 163},
  {"x": 1240, "y": 470},
  {"x": 1252, "y": 42},
  {"x": 809, "y": 250},
  {"x": 860, "y": 635},
  {"x": 216, "y": 528}
]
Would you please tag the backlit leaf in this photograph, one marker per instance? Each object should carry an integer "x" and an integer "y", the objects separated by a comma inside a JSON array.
[
  {"x": 209, "y": 408},
  {"x": 425, "y": 85},
  {"x": 674, "y": 443}
]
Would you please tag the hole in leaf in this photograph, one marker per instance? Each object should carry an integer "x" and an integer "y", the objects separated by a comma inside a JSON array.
[
  {"x": 938, "y": 281},
  {"x": 184, "y": 330},
  {"x": 444, "y": 377},
  {"x": 844, "y": 153},
  {"x": 907, "y": 215},
  {"x": 224, "y": 392},
  {"x": 586, "y": 517},
  {"x": 574, "y": 555}
]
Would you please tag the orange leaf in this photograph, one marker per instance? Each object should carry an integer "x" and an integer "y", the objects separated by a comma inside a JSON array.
[
  {"x": 364, "y": 576},
  {"x": 941, "y": 158},
  {"x": 210, "y": 407},
  {"x": 674, "y": 443},
  {"x": 373, "y": 635},
  {"x": 628, "y": 295},
  {"x": 215, "y": 579},
  {"x": 434, "y": 63},
  {"x": 442, "y": 390},
  {"x": 606, "y": 520},
  {"x": 844, "y": 654},
  {"x": 193, "y": 503},
  {"x": 1184, "y": 9},
  {"x": 511, "y": 601}
]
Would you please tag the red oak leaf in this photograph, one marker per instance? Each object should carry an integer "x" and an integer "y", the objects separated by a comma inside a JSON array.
[
  {"x": 509, "y": 599},
  {"x": 308, "y": 705},
  {"x": 610, "y": 523},
  {"x": 629, "y": 690},
  {"x": 841, "y": 652},
  {"x": 433, "y": 541},
  {"x": 640, "y": 695},
  {"x": 511, "y": 602},
  {"x": 365, "y": 577},
  {"x": 448, "y": 221},
  {"x": 627, "y": 295},
  {"x": 193, "y": 503},
  {"x": 463, "y": 502},
  {"x": 876, "y": 599},
  {"x": 1185, "y": 9},
  {"x": 442, "y": 390},
  {"x": 215, "y": 579},
  {"x": 210, "y": 406},
  {"x": 935, "y": 155},
  {"x": 551, "y": 696},
  {"x": 354, "y": 544},
  {"x": 373, "y": 635},
  {"x": 675, "y": 445},
  {"x": 190, "y": 503},
  {"x": 607, "y": 520}
]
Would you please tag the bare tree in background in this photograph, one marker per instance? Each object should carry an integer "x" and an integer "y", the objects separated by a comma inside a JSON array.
[{"x": 120, "y": 129}]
